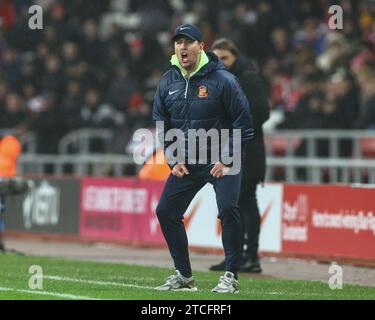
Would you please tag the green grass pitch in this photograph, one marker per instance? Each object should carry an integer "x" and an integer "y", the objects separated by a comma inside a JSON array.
[{"x": 70, "y": 279}]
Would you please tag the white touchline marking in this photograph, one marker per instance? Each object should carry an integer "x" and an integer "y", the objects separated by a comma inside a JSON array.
[
  {"x": 274, "y": 292},
  {"x": 55, "y": 294},
  {"x": 109, "y": 283},
  {"x": 102, "y": 283}
]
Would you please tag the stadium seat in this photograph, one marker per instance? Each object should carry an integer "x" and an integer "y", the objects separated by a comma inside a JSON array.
[
  {"x": 368, "y": 147},
  {"x": 278, "y": 145}
]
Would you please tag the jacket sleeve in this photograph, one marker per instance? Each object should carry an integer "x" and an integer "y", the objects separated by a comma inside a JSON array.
[
  {"x": 162, "y": 118},
  {"x": 237, "y": 107}
]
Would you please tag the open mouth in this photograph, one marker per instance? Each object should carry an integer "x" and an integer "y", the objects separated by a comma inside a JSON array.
[{"x": 184, "y": 57}]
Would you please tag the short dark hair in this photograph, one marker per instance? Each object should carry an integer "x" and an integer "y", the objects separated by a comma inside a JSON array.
[{"x": 225, "y": 44}]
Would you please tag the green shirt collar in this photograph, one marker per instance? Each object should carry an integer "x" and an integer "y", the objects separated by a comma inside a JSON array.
[{"x": 202, "y": 62}]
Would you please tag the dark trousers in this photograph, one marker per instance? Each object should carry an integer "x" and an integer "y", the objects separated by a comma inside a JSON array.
[
  {"x": 175, "y": 199},
  {"x": 250, "y": 218}
]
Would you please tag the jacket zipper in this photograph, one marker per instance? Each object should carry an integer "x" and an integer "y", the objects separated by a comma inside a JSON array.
[
  {"x": 187, "y": 102},
  {"x": 187, "y": 86}
]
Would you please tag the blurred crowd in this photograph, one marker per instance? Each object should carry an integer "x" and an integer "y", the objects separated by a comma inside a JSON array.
[{"x": 96, "y": 63}]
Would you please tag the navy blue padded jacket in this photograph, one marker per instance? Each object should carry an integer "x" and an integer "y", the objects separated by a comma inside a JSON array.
[{"x": 210, "y": 98}]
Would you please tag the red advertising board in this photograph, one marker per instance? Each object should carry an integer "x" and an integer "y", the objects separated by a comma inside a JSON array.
[
  {"x": 328, "y": 220},
  {"x": 120, "y": 209}
]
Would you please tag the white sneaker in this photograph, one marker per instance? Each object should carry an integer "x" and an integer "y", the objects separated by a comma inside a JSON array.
[
  {"x": 177, "y": 282},
  {"x": 227, "y": 284}
]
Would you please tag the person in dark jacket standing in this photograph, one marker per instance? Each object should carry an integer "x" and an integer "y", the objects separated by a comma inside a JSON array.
[
  {"x": 198, "y": 93},
  {"x": 254, "y": 166}
]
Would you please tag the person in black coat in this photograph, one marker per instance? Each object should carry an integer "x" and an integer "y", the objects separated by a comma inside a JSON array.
[{"x": 254, "y": 165}]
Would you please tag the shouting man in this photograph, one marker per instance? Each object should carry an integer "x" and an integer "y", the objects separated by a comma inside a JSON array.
[{"x": 197, "y": 93}]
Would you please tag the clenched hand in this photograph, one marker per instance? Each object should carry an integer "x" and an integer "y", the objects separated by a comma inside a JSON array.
[
  {"x": 219, "y": 170},
  {"x": 179, "y": 170}
]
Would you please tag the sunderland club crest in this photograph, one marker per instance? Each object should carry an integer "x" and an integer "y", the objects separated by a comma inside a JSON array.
[{"x": 202, "y": 91}]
